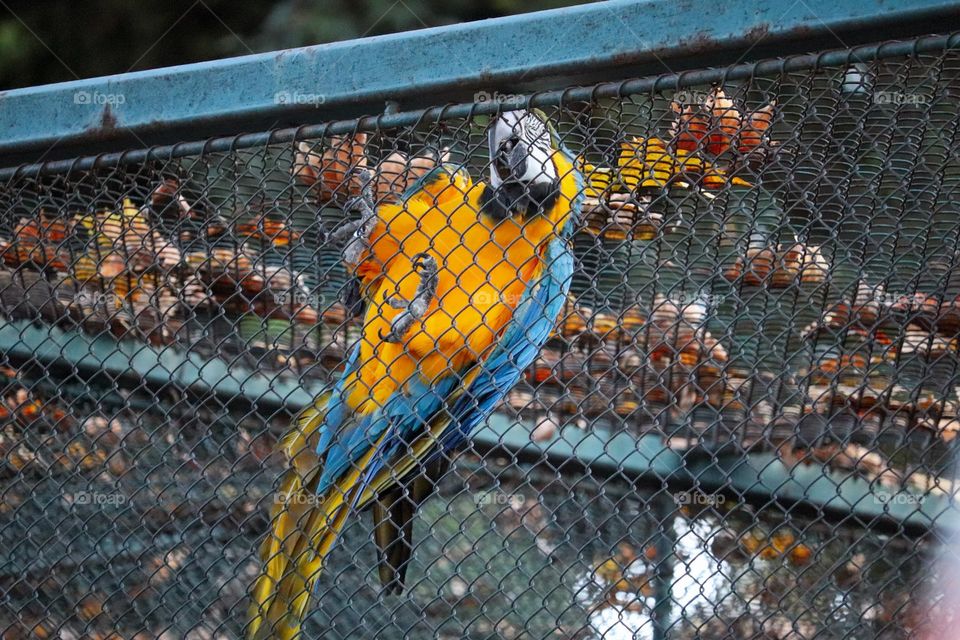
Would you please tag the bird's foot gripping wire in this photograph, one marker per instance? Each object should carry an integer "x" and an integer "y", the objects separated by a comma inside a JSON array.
[
  {"x": 356, "y": 234},
  {"x": 425, "y": 267}
]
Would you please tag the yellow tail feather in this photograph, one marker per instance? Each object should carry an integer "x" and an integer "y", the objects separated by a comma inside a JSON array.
[
  {"x": 305, "y": 526},
  {"x": 303, "y": 531},
  {"x": 286, "y": 513},
  {"x": 293, "y": 593},
  {"x": 292, "y": 503}
]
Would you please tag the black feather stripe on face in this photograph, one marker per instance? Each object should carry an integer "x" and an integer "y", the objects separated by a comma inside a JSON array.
[
  {"x": 492, "y": 204},
  {"x": 508, "y": 200},
  {"x": 533, "y": 131}
]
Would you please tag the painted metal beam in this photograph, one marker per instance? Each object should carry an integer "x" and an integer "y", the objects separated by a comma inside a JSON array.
[
  {"x": 551, "y": 49},
  {"x": 131, "y": 366},
  {"x": 128, "y": 366},
  {"x": 741, "y": 71},
  {"x": 756, "y": 477}
]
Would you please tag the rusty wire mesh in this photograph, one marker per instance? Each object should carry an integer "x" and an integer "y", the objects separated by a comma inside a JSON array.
[{"x": 765, "y": 266}]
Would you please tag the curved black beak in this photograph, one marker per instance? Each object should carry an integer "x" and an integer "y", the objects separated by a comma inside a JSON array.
[{"x": 510, "y": 161}]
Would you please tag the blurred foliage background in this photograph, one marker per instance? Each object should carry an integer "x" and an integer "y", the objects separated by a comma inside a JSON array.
[{"x": 60, "y": 40}]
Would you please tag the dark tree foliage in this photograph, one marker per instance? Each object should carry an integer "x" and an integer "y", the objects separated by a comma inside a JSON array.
[{"x": 60, "y": 40}]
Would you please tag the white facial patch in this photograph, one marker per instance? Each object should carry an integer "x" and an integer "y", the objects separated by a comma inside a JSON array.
[{"x": 532, "y": 133}]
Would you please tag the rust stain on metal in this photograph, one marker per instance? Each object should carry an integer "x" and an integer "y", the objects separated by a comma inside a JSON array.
[
  {"x": 803, "y": 30},
  {"x": 624, "y": 57},
  {"x": 702, "y": 40},
  {"x": 757, "y": 32},
  {"x": 108, "y": 121}
]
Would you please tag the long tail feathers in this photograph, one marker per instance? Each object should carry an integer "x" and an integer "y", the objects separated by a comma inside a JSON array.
[
  {"x": 283, "y": 591},
  {"x": 393, "y": 531},
  {"x": 304, "y": 528},
  {"x": 393, "y": 513},
  {"x": 291, "y": 505}
]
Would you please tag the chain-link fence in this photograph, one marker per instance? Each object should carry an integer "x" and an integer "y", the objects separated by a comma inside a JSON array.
[{"x": 737, "y": 423}]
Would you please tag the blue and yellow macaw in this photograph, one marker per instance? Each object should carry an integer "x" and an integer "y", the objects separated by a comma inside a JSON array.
[{"x": 463, "y": 283}]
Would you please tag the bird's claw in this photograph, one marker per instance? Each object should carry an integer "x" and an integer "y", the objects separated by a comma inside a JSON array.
[
  {"x": 397, "y": 302},
  {"x": 359, "y": 231},
  {"x": 424, "y": 262},
  {"x": 425, "y": 266},
  {"x": 344, "y": 232},
  {"x": 399, "y": 326},
  {"x": 365, "y": 201}
]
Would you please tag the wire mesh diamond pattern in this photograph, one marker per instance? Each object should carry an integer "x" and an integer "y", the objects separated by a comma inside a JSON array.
[{"x": 731, "y": 414}]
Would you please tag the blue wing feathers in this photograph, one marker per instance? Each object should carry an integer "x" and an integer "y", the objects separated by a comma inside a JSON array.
[
  {"x": 336, "y": 412},
  {"x": 404, "y": 412},
  {"x": 530, "y": 328}
]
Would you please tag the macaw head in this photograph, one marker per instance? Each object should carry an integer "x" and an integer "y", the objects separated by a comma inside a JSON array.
[{"x": 523, "y": 176}]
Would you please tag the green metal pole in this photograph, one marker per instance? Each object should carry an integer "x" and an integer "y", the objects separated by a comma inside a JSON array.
[{"x": 665, "y": 510}]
